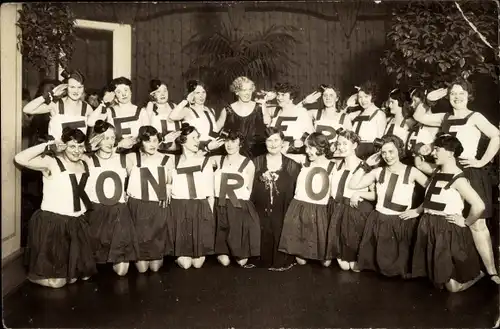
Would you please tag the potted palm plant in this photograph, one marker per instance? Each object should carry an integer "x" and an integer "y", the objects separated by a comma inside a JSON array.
[{"x": 224, "y": 54}]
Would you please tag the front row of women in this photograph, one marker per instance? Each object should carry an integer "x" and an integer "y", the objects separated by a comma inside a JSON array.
[{"x": 190, "y": 206}]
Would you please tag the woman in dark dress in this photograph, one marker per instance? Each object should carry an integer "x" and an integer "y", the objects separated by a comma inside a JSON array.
[
  {"x": 246, "y": 116},
  {"x": 273, "y": 189}
]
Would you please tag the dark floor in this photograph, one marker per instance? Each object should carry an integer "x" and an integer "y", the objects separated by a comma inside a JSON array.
[{"x": 217, "y": 297}]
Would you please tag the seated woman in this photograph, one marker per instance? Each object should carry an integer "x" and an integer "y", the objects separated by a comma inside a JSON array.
[
  {"x": 238, "y": 228},
  {"x": 370, "y": 122},
  {"x": 59, "y": 249},
  {"x": 444, "y": 250},
  {"x": 193, "y": 110},
  {"x": 65, "y": 104},
  {"x": 349, "y": 209},
  {"x": 246, "y": 116},
  {"x": 293, "y": 120},
  {"x": 147, "y": 200},
  {"x": 191, "y": 227},
  {"x": 468, "y": 126},
  {"x": 110, "y": 224},
  {"x": 273, "y": 189},
  {"x": 306, "y": 221},
  {"x": 387, "y": 241},
  {"x": 327, "y": 115}
]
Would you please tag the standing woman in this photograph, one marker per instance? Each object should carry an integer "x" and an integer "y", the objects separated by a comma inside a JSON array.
[
  {"x": 117, "y": 109},
  {"x": 444, "y": 250},
  {"x": 291, "y": 118},
  {"x": 419, "y": 133},
  {"x": 371, "y": 121},
  {"x": 273, "y": 190},
  {"x": 402, "y": 121},
  {"x": 387, "y": 241},
  {"x": 191, "y": 220},
  {"x": 147, "y": 192},
  {"x": 306, "y": 221},
  {"x": 64, "y": 103},
  {"x": 110, "y": 224},
  {"x": 59, "y": 249},
  {"x": 350, "y": 208},
  {"x": 238, "y": 227},
  {"x": 467, "y": 126},
  {"x": 192, "y": 110},
  {"x": 246, "y": 116},
  {"x": 330, "y": 116}
]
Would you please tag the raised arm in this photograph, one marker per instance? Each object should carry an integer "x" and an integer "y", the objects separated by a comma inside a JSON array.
[
  {"x": 362, "y": 179},
  {"x": 428, "y": 119},
  {"x": 31, "y": 158},
  {"x": 222, "y": 118},
  {"x": 419, "y": 177},
  {"x": 381, "y": 120},
  {"x": 423, "y": 166},
  {"x": 180, "y": 111}
]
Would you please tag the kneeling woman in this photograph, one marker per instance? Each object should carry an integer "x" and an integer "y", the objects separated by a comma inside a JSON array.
[
  {"x": 111, "y": 226},
  {"x": 59, "y": 249},
  {"x": 306, "y": 220},
  {"x": 238, "y": 227},
  {"x": 445, "y": 250},
  {"x": 147, "y": 192},
  {"x": 191, "y": 221},
  {"x": 350, "y": 208},
  {"x": 386, "y": 245}
]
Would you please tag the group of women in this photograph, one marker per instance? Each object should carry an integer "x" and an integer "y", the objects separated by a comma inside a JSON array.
[{"x": 271, "y": 182}]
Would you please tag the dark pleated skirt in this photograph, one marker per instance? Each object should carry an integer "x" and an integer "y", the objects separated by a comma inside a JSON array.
[
  {"x": 191, "y": 228},
  {"x": 444, "y": 251},
  {"x": 150, "y": 222},
  {"x": 364, "y": 150},
  {"x": 346, "y": 228},
  {"x": 387, "y": 244},
  {"x": 113, "y": 235},
  {"x": 58, "y": 247},
  {"x": 304, "y": 230},
  {"x": 483, "y": 185},
  {"x": 237, "y": 229}
]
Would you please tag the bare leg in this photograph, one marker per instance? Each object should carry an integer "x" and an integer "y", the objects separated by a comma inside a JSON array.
[
  {"x": 51, "y": 283},
  {"x": 343, "y": 264},
  {"x": 354, "y": 267},
  {"x": 184, "y": 262},
  {"x": 242, "y": 262},
  {"x": 454, "y": 286},
  {"x": 198, "y": 262},
  {"x": 142, "y": 266},
  {"x": 155, "y": 265},
  {"x": 224, "y": 260},
  {"x": 326, "y": 263},
  {"x": 482, "y": 241},
  {"x": 300, "y": 261},
  {"x": 121, "y": 268}
]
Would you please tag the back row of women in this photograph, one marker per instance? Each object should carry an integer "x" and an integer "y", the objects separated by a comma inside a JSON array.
[{"x": 171, "y": 180}]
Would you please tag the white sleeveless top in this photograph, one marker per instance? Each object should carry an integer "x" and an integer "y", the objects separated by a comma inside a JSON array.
[
  {"x": 126, "y": 120},
  {"x": 313, "y": 183},
  {"x": 465, "y": 132},
  {"x": 339, "y": 182},
  {"x": 366, "y": 126},
  {"x": 228, "y": 175},
  {"x": 421, "y": 134},
  {"x": 61, "y": 120},
  {"x": 148, "y": 182},
  {"x": 400, "y": 130},
  {"x": 161, "y": 121},
  {"x": 106, "y": 183},
  {"x": 293, "y": 126},
  {"x": 394, "y": 191},
  {"x": 441, "y": 198},
  {"x": 64, "y": 192},
  {"x": 204, "y": 122},
  {"x": 195, "y": 181},
  {"x": 328, "y": 127}
]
